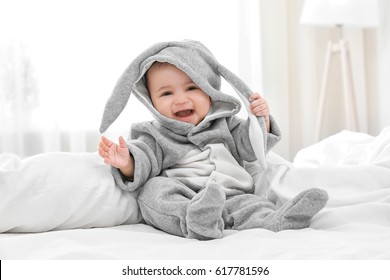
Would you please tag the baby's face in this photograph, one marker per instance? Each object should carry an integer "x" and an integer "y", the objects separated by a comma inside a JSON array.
[{"x": 175, "y": 95}]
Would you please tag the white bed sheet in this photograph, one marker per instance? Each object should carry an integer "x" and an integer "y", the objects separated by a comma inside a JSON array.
[
  {"x": 141, "y": 242},
  {"x": 354, "y": 168}
]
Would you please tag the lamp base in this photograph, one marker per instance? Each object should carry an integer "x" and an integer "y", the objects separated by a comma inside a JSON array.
[{"x": 341, "y": 48}]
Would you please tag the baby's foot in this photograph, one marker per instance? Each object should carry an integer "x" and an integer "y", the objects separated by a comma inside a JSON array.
[
  {"x": 298, "y": 212},
  {"x": 204, "y": 214}
]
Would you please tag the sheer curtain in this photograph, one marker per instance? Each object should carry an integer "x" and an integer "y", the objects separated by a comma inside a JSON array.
[
  {"x": 292, "y": 67},
  {"x": 61, "y": 59}
]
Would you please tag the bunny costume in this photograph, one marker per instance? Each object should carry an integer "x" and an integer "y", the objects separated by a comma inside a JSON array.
[{"x": 194, "y": 180}]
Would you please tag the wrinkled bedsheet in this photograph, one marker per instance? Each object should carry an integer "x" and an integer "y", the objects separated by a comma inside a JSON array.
[{"x": 353, "y": 167}]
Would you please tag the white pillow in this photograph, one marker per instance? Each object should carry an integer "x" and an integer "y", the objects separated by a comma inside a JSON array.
[{"x": 53, "y": 191}]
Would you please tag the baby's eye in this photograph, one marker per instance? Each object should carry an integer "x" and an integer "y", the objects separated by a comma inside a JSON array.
[
  {"x": 192, "y": 88},
  {"x": 167, "y": 93}
]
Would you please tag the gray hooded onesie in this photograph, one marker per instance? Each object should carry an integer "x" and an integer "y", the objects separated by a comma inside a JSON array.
[{"x": 193, "y": 180}]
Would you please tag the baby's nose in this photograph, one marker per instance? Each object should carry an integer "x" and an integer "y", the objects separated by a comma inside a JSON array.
[{"x": 181, "y": 99}]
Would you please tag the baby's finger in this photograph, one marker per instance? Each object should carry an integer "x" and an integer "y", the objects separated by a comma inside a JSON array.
[
  {"x": 102, "y": 143},
  {"x": 260, "y": 110},
  {"x": 106, "y": 141},
  {"x": 122, "y": 142},
  {"x": 258, "y": 104},
  {"x": 102, "y": 153},
  {"x": 103, "y": 146},
  {"x": 254, "y": 96},
  {"x": 107, "y": 161}
]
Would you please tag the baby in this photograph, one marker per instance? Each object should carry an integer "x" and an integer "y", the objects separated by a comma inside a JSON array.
[{"x": 189, "y": 165}]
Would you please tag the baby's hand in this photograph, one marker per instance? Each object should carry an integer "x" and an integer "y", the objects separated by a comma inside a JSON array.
[
  {"x": 113, "y": 154},
  {"x": 259, "y": 107}
]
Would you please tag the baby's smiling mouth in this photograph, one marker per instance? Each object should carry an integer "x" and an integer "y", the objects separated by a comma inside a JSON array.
[{"x": 184, "y": 113}]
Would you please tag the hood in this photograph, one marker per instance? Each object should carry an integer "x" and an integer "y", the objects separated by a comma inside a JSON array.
[{"x": 194, "y": 59}]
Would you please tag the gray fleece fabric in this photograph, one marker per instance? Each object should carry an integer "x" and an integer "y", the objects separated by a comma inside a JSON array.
[
  {"x": 204, "y": 215},
  {"x": 179, "y": 205}
]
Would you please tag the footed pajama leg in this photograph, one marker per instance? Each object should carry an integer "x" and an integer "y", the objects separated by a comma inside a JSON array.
[
  {"x": 249, "y": 211},
  {"x": 174, "y": 207}
]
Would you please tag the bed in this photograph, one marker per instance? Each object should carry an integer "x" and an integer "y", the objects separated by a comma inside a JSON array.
[{"x": 66, "y": 206}]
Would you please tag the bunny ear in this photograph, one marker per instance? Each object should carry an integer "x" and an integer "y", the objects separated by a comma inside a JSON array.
[
  {"x": 117, "y": 101},
  {"x": 257, "y": 124},
  {"x": 125, "y": 85}
]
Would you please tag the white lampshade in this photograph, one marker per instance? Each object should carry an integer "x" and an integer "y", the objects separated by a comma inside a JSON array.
[{"x": 359, "y": 13}]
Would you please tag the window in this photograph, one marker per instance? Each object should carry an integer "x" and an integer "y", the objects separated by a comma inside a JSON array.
[{"x": 63, "y": 58}]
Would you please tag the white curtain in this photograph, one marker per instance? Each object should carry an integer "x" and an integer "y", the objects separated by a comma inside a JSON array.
[
  {"x": 293, "y": 63},
  {"x": 61, "y": 59}
]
